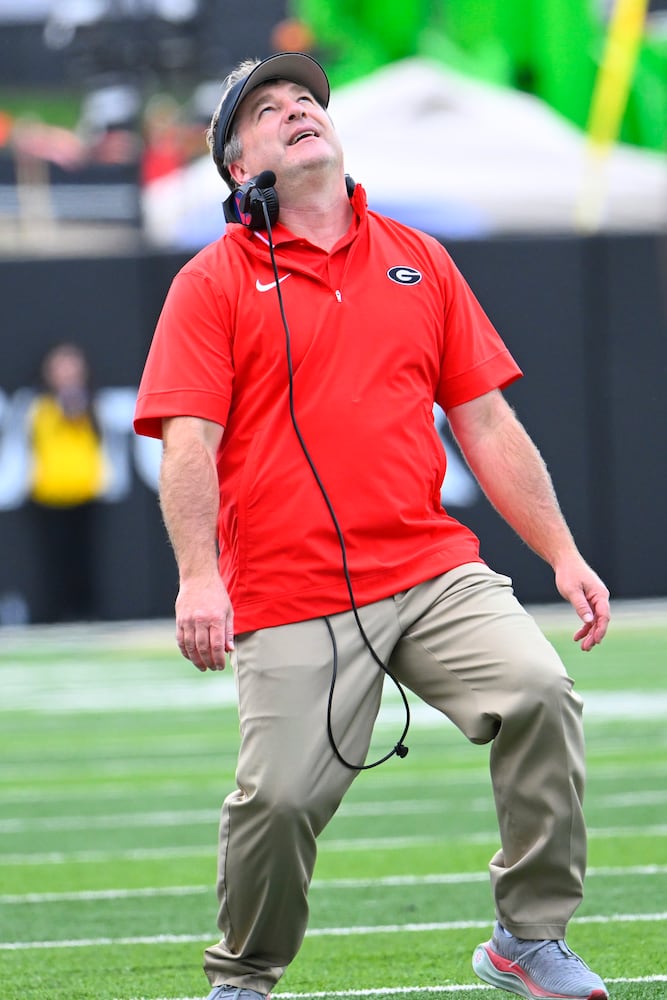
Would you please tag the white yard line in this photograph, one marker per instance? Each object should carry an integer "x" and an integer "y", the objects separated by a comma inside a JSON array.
[
  {"x": 381, "y": 991},
  {"x": 206, "y": 817},
  {"x": 82, "y": 687},
  {"x": 184, "y": 817},
  {"x": 455, "y": 925},
  {"x": 389, "y": 881},
  {"x": 393, "y": 781},
  {"x": 194, "y": 817},
  {"x": 450, "y": 988},
  {"x": 349, "y": 844}
]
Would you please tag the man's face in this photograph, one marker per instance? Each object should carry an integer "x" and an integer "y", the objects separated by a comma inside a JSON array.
[{"x": 283, "y": 128}]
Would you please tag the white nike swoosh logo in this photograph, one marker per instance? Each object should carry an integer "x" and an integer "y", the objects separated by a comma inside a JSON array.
[{"x": 265, "y": 288}]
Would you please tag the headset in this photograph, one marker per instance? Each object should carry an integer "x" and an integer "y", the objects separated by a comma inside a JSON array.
[{"x": 255, "y": 205}]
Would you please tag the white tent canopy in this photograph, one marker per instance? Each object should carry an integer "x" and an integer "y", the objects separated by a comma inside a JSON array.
[{"x": 448, "y": 154}]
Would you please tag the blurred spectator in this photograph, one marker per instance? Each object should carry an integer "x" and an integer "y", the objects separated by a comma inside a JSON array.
[
  {"x": 110, "y": 120},
  {"x": 292, "y": 35},
  {"x": 164, "y": 138},
  {"x": 33, "y": 139},
  {"x": 67, "y": 477},
  {"x": 5, "y": 127}
]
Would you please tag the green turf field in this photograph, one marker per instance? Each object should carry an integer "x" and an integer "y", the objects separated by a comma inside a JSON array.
[{"x": 116, "y": 754}]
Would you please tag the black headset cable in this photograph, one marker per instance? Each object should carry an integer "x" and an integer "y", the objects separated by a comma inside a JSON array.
[{"x": 400, "y": 749}]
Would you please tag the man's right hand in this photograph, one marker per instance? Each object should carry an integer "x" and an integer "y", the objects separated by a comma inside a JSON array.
[
  {"x": 190, "y": 501},
  {"x": 205, "y": 623}
]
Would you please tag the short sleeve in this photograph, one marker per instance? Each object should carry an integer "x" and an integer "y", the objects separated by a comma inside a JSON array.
[
  {"x": 189, "y": 369},
  {"x": 475, "y": 359}
]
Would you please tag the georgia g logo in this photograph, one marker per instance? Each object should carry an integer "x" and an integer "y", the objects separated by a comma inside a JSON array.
[{"x": 404, "y": 275}]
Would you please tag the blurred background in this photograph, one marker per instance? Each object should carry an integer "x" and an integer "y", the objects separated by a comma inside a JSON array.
[{"x": 529, "y": 136}]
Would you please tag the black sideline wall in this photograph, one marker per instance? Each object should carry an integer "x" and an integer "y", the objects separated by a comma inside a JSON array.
[{"x": 585, "y": 318}]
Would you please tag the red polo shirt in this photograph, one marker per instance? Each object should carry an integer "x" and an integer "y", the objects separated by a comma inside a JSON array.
[{"x": 381, "y": 327}]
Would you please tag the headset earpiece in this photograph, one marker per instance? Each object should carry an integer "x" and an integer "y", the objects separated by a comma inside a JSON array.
[{"x": 245, "y": 204}]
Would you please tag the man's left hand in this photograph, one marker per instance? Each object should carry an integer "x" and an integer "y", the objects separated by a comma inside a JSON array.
[{"x": 589, "y": 597}]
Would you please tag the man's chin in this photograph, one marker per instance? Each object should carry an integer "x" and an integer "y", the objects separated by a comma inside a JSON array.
[{"x": 317, "y": 162}]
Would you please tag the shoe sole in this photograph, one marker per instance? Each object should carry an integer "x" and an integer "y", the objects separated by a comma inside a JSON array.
[{"x": 505, "y": 975}]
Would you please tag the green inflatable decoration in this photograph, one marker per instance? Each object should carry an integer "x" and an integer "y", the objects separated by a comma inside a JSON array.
[{"x": 549, "y": 48}]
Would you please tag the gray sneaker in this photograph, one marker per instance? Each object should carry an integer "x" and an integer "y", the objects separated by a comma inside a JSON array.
[
  {"x": 536, "y": 970},
  {"x": 235, "y": 993}
]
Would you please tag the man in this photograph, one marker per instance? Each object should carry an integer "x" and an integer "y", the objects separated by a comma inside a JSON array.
[{"x": 292, "y": 379}]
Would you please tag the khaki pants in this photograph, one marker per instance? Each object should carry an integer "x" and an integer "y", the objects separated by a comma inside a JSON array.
[{"x": 462, "y": 643}]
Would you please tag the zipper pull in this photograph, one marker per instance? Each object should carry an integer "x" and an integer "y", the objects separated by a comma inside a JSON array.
[{"x": 338, "y": 295}]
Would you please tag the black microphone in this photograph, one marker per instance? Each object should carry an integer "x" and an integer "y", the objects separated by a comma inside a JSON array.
[{"x": 266, "y": 179}]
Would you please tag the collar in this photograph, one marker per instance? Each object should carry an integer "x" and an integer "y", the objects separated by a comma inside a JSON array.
[{"x": 283, "y": 237}]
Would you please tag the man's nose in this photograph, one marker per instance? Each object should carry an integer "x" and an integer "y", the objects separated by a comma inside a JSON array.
[{"x": 296, "y": 111}]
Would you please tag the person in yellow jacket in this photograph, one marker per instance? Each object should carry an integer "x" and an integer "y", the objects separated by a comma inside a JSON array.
[{"x": 67, "y": 477}]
